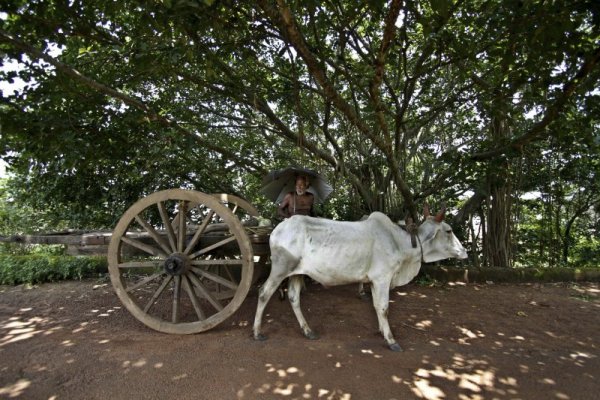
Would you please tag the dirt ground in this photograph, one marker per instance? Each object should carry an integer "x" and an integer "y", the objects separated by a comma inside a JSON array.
[{"x": 74, "y": 340}]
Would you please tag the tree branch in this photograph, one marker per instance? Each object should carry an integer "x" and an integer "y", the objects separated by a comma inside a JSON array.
[
  {"x": 375, "y": 85},
  {"x": 152, "y": 115},
  {"x": 552, "y": 112},
  {"x": 285, "y": 20}
]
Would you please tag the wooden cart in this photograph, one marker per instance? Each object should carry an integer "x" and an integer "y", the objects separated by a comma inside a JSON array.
[{"x": 183, "y": 261}]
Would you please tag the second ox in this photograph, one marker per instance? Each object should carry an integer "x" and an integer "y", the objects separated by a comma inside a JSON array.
[{"x": 375, "y": 250}]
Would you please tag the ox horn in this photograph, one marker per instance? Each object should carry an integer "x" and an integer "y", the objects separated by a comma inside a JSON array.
[
  {"x": 426, "y": 210},
  {"x": 440, "y": 216}
]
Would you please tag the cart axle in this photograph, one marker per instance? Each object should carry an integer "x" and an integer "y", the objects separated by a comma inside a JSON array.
[{"x": 177, "y": 264}]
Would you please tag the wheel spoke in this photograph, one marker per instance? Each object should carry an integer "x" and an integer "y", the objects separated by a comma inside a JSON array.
[
  {"x": 141, "y": 264},
  {"x": 143, "y": 282},
  {"x": 155, "y": 235},
  {"x": 158, "y": 293},
  {"x": 205, "y": 292},
  {"x": 228, "y": 272},
  {"x": 176, "y": 296},
  {"x": 216, "y": 278},
  {"x": 201, "y": 229},
  {"x": 217, "y": 262},
  {"x": 193, "y": 298},
  {"x": 144, "y": 247},
  {"x": 212, "y": 247},
  {"x": 182, "y": 225},
  {"x": 167, "y": 223}
]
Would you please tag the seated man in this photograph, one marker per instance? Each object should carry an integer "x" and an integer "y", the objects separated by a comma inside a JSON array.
[{"x": 298, "y": 202}]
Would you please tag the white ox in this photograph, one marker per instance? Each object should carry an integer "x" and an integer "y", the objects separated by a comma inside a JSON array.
[{"x": 375, "y": 250}]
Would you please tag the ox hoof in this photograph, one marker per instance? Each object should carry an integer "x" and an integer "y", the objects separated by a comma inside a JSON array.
[
  {"x": 364, "y": 296},
  {"x": 260, "y": 337},
  {"x": 311, "y": 335},
  {"x": 395, "y": 347}
]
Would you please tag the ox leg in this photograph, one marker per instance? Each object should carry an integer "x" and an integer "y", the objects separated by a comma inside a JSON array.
[
  {"x": 362, "y": 293},
  {"x": 266, "y": 291},
  {"x": 381, "y": 301},
  {"x": 294, "y": 288}
]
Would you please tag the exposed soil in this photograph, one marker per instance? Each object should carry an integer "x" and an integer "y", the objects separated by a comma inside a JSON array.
[{"x": 74, "y": 340}]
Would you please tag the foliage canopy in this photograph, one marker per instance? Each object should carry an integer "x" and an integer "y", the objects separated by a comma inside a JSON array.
[{"x": 468, "y": 102}]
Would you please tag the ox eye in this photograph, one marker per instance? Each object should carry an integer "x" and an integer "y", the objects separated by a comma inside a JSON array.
[{"x": 449, "y": 231}]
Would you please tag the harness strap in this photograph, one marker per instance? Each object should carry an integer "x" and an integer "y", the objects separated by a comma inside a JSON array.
[
  {"x": 421, "y": 246},
  {"x": 413, "y": 230}
]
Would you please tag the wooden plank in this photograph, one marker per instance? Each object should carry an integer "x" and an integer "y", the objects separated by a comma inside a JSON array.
[
  {"x": 42, "y": 239},
  {"x": 96, "y": 239}
]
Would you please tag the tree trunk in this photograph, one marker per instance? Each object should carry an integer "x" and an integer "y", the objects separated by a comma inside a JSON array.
[
  {"x": 497, "y": 245},
  {"x": 474, "y": 236},
  {"x": 567, "y": 239},
  {"x": 484, "y": 240}
]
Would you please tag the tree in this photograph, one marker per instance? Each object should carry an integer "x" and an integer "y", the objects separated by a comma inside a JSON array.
[{"x": 402, "y": 100}]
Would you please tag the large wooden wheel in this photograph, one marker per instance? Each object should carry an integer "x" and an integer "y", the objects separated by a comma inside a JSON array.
[
  {"x": 259, "y": 238},
  {"x": 180, "y": 261}
]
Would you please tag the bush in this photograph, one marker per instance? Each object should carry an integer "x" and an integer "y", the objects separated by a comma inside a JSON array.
[
  {"x": 33, "y": 269},
  {"x": 21, "y": 249}
]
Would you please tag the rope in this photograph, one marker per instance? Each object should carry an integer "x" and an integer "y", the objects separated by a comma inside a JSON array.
[{"x": 259, "y": 230}]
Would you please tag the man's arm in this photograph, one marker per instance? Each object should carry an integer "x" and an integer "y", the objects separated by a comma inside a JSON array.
[{"x": 284, "y": 210}]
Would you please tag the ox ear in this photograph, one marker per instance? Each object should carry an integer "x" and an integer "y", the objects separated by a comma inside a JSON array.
[
  {"x": 440, "y": 216},
  {"x": 426, "y": 210}
]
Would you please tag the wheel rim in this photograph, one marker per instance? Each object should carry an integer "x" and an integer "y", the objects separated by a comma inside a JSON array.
[
  {"x": 240, "y": 207},
  {"x": 180, "y": 272}
]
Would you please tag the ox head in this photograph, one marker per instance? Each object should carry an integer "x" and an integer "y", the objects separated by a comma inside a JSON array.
[{"x": 437, "y": 239}]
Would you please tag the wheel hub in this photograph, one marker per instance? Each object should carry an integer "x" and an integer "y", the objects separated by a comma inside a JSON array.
[{"x": 177, "y": 264}]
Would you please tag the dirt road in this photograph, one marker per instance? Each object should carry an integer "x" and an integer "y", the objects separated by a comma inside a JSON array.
[{"x": 74, "y": 340}]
